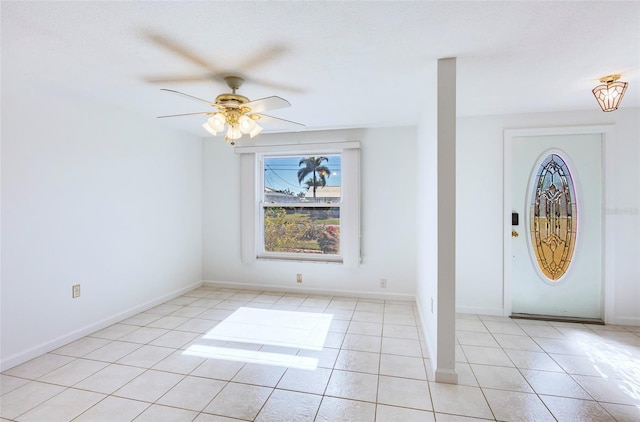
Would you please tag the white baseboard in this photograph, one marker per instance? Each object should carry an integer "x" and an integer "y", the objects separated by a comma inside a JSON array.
[
  {"x": 423, "y": 326},
  {"x": 306, "y": 290},
  {"x": 48, "y": 346},
  {"x": 480, "y": 311},
  {"x": 430, "y": 350},
  {"x": 446, "y": 376},
  {"x": 622, "y": 320}
]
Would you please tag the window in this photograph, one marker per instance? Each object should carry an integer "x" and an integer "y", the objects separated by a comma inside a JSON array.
[
  {"x": 301, "y": 202},
  {"x": 300, "y": 206}
]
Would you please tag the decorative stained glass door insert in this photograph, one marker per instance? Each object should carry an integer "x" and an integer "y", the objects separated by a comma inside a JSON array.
[{"x": 553, "y": 217}]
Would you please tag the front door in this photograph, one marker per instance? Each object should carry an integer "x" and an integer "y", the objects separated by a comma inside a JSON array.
[{"x": 557, "y": 243}]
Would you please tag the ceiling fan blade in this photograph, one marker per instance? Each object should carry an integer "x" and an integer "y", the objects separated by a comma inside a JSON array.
[
  {"x": 211, "y": 103},
  {"x": 180, "y": 50},
  {"x": 186, "y": 114},
  {"x": 178, "y": 79},
  {"x": 275, "y": 86},
  {"x": 268, "y": 103},
  {"x": 278, "y": 122},
  {"x": 263, "y": 56}
]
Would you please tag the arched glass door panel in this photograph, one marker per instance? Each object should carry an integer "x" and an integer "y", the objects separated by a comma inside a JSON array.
[{"x": 553, "y": 217}]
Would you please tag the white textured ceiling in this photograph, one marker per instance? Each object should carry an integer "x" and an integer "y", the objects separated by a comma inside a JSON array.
[{"x": 340, "y": 64}]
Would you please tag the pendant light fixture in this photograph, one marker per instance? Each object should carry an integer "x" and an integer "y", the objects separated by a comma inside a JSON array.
[{"x": 610, "y": 92}]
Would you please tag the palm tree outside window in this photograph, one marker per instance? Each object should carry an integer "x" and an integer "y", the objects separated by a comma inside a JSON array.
[{"x": 319, "y": 172}]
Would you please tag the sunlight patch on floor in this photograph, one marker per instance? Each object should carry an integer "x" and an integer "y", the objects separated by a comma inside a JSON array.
[
  {"x": 619, "y": 357},
  {"x": 266, "y": 327},
  {"x": 300, "y": 330},
  {"x": 252, "y": 356}
]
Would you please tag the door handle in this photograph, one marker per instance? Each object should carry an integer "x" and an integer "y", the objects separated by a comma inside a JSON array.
[{"x": 514, "y": 233}]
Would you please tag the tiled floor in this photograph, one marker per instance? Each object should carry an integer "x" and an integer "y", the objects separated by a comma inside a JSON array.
[{"x": 170, "y": 364}]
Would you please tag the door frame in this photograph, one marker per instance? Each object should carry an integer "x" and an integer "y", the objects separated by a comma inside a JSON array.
[{"x": 607, "y": 133}]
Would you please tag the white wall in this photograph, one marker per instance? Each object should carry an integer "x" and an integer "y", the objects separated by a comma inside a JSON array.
[
  {"x": 427, "y": 229},
  {"x": 388, "y": 186},
  {"x": 480, "y": 209},
  {"x": 91, "y": 195}
]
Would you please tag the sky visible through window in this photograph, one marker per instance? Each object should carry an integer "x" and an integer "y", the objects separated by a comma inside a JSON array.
[{"x": 281, "y": 173}]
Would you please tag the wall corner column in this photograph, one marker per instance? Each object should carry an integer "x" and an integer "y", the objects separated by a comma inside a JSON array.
[{"x": 445, "y": 366}]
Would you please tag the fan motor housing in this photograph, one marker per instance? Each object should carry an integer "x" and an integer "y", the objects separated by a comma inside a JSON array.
[{"x": 228, "y": 100}]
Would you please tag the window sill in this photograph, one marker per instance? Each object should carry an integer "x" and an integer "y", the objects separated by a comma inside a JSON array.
[{"x": 321, "y": 259}]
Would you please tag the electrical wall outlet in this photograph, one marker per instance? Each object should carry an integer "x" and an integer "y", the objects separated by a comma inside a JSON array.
[
  {"x": 75, "y": 291},
  {"x": 383, "y": 283},
  {"x": 298, "y": 278}
]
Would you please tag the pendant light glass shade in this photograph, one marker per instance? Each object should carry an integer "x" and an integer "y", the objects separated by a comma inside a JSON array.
[
  {"x": 246, "y": 124},
  {"x": 234, "y": 133},
  {"x": 217, "y": 122},
  {"x": 610, "y": 93},
  {"x": 209, "y": 129}
]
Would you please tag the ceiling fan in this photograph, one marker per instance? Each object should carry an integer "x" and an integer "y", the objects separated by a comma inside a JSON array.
[
  {"x": 210, "y": 71},
  {"x": 239, "y": 115}
]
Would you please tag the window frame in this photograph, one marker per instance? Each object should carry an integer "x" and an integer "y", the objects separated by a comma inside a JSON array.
[{"x": 252, "y": 188}]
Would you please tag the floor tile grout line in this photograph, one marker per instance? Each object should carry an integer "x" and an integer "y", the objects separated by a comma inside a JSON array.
[
  {"x": 105, "y": 398},
  {"x": 482, "y": 390}
]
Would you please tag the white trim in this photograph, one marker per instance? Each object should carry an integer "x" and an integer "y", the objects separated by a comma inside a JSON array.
[
  {"x": 350, "y": 214},
  {"x": 306, "y": 290},
  {"x": 43, "y": 348},
  {"x": 302, "y": 257},
  {"x": 608, "y": 263},
  {"x": 560, "y": 130},
  {"x": 325, "y": 147},
  {"x": 248, "y": 212},
  {"x": 431, "y": 351},
  {"x": 507, "y": 262},
  {"x": 263, "y": 204},
  {"x": 608, "y": 140},
  {"x": 476, "y": 310},
  {"x": 442, "y": 375},
  {"x": 446, "y": 376},
  {"x": 622, "y": 320}
]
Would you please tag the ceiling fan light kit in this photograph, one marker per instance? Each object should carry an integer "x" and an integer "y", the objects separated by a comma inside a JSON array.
[
  {"x": 237, "y": 114},
  {"x": 609, "y": 94},
  {"x": 237, "y": 124}
]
